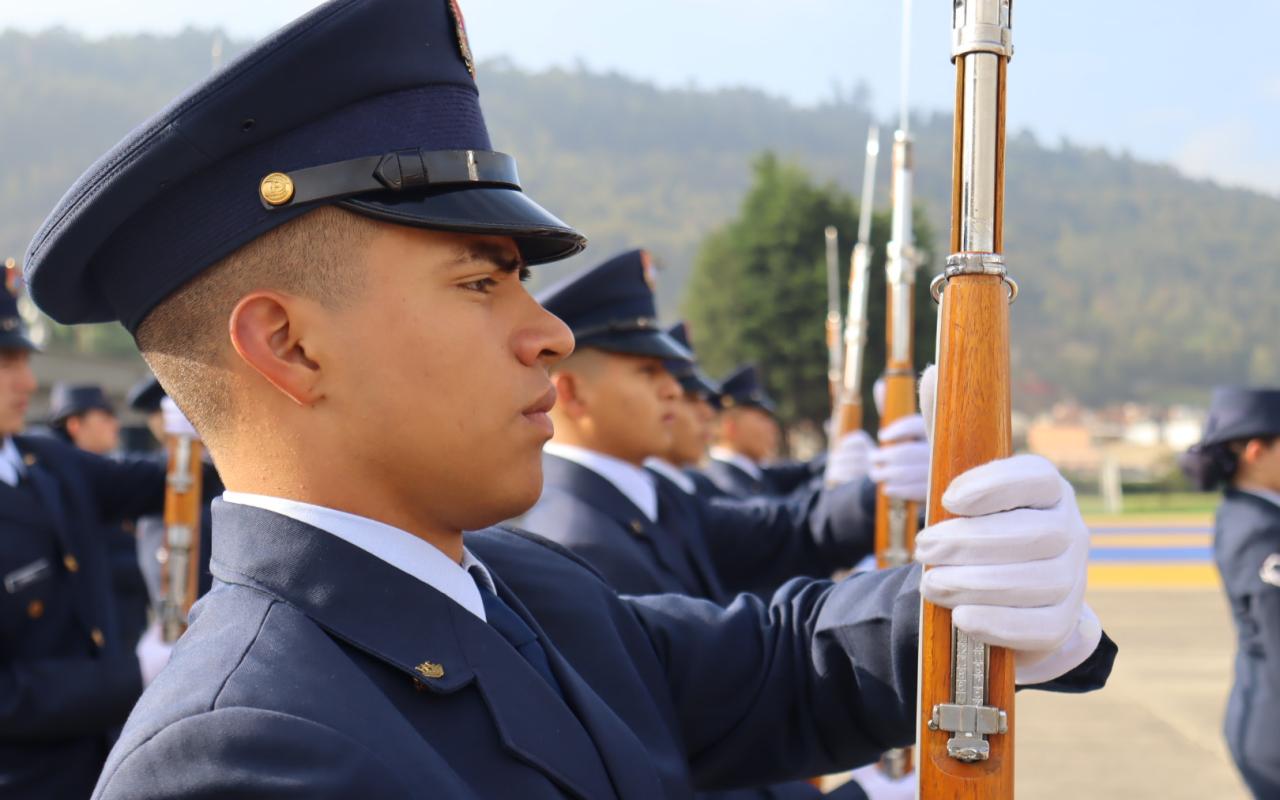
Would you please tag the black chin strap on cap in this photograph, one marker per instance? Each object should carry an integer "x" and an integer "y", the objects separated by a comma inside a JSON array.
[{"x": 399, "y": 171}]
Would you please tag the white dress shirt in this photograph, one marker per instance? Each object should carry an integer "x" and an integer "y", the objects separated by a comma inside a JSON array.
[
  {"x": 738, "y": 460},
  {"x": 634, "y": 483},
  {"x": 397, "y": 547},
  {"x": 11, "y": 468},
  {"x": 672, "y": 473}
]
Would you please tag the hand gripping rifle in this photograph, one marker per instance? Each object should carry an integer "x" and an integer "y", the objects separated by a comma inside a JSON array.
[
  {"x": 846, "y": 414},
  {"x": 966, "y": 687},
  {"x": 180, "y": 557}
]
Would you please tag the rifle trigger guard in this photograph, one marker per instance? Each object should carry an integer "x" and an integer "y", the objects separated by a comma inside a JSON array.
[{"x": 973, "y": 264}]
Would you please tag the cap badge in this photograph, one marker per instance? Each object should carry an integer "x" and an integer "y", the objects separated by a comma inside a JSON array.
[
  {"x": 646, "y": 263},
  {"x": 460, "y": 33},
  {"x": 276, "y": 189}
]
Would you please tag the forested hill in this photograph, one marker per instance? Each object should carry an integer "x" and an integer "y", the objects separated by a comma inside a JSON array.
[{"x": 1138, "y": 283}]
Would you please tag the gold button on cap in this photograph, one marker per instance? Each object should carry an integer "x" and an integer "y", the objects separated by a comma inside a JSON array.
[
  {"x": 70, "y": 562},
  {"x": 97, "y": 637},
  {"x": 35, "y": 609},
  {"x": 276, "y": 189}
]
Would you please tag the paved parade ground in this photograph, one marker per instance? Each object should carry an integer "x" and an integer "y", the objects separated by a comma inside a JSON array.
[{"x": 1155, "y": 731}]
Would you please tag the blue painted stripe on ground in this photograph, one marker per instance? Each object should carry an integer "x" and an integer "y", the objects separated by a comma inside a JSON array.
[{"x": 1151, "y": 554}]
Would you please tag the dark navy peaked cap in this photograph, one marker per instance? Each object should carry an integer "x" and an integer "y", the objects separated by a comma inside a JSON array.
[
  {"x": 145, "y": 396},
  {"x": 611, "y": 307},
  {"x": 692, "y": 379},
  {"x": 742, "y": 387},
  {"x": 367, "y": 104},
  {"x": 13, "y": 334},
  {"x": 1236, "y": 412},
  {"x": 68, "y": 400}
]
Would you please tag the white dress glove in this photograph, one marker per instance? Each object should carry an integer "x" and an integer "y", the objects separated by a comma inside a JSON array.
[
  {"x": 879, "y": 786},
  {"x": 1013, "y": 567},
  {"x": 175, "y": 422},
  {"x": 850, "y": 460},
  {"x": 153, "y": 653},
  {"x": 902, "y": 467}
]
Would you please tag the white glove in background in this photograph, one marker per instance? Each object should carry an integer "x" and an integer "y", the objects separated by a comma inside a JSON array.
[
  {"x": 175, "y": 422},
  {"x": 850, "y": 460},
  {"x": 153, "y": 653},
  {"x": 879, "y": 786},
  {"x": 903, "y": 466},
  {"x": 1013, "y": 567}
]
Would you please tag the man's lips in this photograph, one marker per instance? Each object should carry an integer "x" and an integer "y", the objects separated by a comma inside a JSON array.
[{"x": 537, "y": 414}]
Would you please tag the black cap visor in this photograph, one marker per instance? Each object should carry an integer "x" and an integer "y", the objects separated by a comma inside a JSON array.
[
  {"x": 486, "y": 211},
  {"x": 17, "y": 340},
  {"x": 639, "y": 343}
]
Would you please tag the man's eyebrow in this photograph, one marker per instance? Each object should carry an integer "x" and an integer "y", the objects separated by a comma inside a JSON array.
[{"x": 505, "y": 258}]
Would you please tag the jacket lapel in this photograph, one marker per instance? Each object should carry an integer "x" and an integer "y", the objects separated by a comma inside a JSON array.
[
  {"x": 434, "y": 641},
  {"x": 623, "y": 754},
  {"x": 677, "y": 512},
  {"x": 599, "y": 493}
]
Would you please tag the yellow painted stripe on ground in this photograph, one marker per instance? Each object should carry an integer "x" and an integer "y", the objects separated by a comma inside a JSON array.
[
  {"x": 1150, "y": 540},
  {"x": 1148, "y": 520},
  {"x": 1153, "y": 576}
]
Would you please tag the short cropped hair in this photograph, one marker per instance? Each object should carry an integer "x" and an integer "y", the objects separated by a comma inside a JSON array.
[{"x": 185, "y": 339}]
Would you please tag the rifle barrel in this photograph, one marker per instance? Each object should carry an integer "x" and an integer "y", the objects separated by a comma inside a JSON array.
[{"x": 180, "y": 574}]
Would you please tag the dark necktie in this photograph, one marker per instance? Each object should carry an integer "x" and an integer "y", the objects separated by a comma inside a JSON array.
[{"x": 519, "y": 635}]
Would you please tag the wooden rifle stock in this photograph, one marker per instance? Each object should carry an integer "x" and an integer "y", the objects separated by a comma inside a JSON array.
[
  {"x": 180, "y": 564},
  {"x": 966, "y": 688}
]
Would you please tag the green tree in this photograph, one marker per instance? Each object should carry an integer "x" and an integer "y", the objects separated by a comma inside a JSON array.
[{"x": 758, "y": 289}]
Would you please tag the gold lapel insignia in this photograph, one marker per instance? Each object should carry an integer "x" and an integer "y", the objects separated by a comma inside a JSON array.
[
  {"x": 29, "y": 459},
  {"x": 430, "y": 669}
]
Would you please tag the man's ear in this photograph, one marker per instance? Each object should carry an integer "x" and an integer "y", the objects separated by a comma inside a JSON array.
[
  {"x": 73, "y": 424},
  {"x": 569, "y": 393},
  {"x": 268, "y": 331}
]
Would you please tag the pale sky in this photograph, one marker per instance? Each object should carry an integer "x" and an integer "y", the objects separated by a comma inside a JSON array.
[{"x": 1173, "y": 81}]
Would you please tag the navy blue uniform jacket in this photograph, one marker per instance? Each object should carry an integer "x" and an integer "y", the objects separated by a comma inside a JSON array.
[
  {"x": 1247, "y": 549},
  {"x": 777, "y": 479},
  {"x": 67, "y": 678},
  {"x": 313, "y": 669},
  {"x": 709, "y": 548}
]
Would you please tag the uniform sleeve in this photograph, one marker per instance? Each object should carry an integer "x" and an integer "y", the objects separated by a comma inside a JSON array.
[
  {"x": 792, "y": 475},
  {"x": 242, "y": 752},
  {"x": 124, "y": 489},
  {"x": 819, "y": 679},
  {"x": 1258, "y": 579},
  {"x": 766, "y": 541},
  {"x": 51, "y": 699}
]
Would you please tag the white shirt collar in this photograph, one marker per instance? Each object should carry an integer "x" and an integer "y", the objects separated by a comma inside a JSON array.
[
  {"x": 1265, "y": 494},
  {"x": 738, "y": 460},
  {"x": 397, "y": 547},
  {"x": 10, "y": 462},
  {"x": 672, "y": 473},
  {"x": 634, "y": 483}
]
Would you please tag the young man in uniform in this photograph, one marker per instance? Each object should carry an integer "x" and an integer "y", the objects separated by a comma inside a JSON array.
[
  {"x": 617, "y": 408},
  {"x": 68, "y": 675},
  {"x": 341, "y": 248}
]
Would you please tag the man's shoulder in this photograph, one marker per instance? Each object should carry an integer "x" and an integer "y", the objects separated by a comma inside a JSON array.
[
  {"x": 511, "y": 544},
  {"x": 251, "y": 673},
  {"x": 565, "y": 517}
]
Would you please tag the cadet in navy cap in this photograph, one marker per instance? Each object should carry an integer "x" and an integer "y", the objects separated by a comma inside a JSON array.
[
  {"x": 618, "y": 406},
  {"x": 84, "y": 416},
  {"x": 1240, "y": 452},
  {"x": 747, "y": 438},
  {"x": 68, "y": 673},
  {"x": 331, "y": 244},
  {"x": 692, "y": 429}
]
